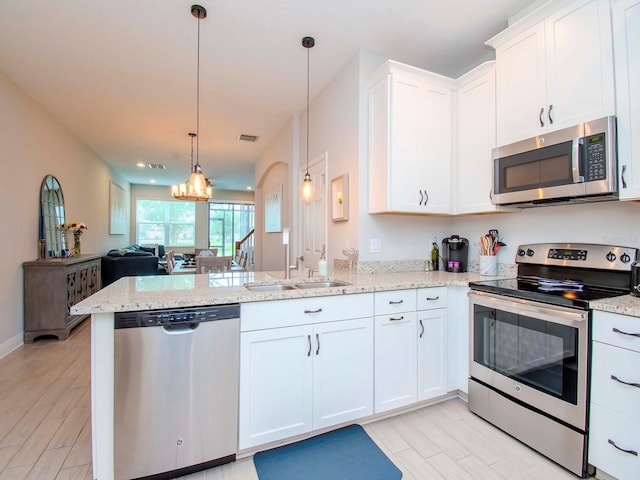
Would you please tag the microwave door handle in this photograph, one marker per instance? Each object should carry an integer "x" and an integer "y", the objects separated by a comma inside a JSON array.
[{"x": 575, "y": 160}]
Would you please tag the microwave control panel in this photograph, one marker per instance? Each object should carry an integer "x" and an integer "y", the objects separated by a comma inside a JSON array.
[{"x": 595, "y": 160}]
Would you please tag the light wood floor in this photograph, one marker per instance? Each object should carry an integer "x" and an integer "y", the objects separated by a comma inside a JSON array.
[{"x": 45, "y": 428}]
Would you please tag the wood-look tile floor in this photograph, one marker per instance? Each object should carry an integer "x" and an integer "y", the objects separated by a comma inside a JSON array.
[{"x": 45, "y": 428}]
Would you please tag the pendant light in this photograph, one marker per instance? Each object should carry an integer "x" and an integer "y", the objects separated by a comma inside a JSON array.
[
  {"x": 306, "y": 190},
  {"x": 197, "y": 188}
]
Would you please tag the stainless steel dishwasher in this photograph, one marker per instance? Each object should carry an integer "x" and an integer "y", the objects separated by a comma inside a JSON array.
[{"x": 176, "y": 390}]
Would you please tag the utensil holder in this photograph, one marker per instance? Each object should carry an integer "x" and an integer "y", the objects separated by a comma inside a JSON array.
[{"x": 488, "y": 265}]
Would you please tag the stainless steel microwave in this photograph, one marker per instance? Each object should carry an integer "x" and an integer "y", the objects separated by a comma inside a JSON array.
[{"x": 576, "y": 164}]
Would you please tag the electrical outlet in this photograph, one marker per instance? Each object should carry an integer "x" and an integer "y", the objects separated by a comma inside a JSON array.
[{"x": 375, "y": 245}]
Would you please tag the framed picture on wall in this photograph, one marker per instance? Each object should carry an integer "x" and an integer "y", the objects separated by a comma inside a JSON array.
[
  {"x": 273, "y": 209},
  {"x": 340, "y": 198},
  {"x": 117, "y": 209}
]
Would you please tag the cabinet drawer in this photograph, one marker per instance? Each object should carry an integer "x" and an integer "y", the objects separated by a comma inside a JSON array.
[
  {"x": 395, "y": 301},
  {"x": 618, "y": 330},
  {"x": 304, "y": 311},
  {"x": 430, "y": 298},
  {"x": 622, "y": 364},
  {"x": 607, "y": 427}
]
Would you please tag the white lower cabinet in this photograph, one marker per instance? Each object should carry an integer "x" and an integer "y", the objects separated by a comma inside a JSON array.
[
  {"x": 410, "y": 348},
  {"x": 294, "y": 379},
  {"x": 614, "y": 430}
]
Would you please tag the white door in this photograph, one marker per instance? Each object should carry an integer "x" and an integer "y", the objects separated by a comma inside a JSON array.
[
  {"x": 314, "y": 214},
  {"x": 395, "y": 361},
  {"x": 579, "y": 73},
  {"x": 521, "y": 86},
  {"x": 275, "y": 384},
  {"x": 626, "y": 30},
  {"x": 432, "y": 353},
  {"x": 342, "y": 371}
]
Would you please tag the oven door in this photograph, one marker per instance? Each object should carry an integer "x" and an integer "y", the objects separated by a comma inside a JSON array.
[{"x": 533, "y": 352}]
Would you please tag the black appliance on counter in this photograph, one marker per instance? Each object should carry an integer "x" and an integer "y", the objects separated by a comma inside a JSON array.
[
  {"x": 530, "y": 340},
  {"x": 455, "y": 253}
]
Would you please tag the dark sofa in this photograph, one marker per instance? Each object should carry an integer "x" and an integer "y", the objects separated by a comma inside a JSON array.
[{"x": 129, "y": 262}]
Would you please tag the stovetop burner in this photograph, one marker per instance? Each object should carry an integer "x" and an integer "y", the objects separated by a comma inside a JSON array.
[{"x": 568, "y": 275}]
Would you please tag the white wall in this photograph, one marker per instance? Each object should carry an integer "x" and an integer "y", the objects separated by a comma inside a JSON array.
[
  {"x": 158, "y": 192},
  {"x": 32, "y": 145},
  {"x": 275, "y": 167}
]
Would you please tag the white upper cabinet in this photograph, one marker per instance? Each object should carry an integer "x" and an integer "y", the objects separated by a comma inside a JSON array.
[
  {"x": 554, "y": 73},
  {"x": 626, "y": 44},
  {"x": 409, "y": 141},
  {"x": 475, "y": 136}
]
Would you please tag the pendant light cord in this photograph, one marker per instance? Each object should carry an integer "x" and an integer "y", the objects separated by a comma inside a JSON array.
[
  {"x": 198, "y": 101},
  {"x": 308, "y": 83}
]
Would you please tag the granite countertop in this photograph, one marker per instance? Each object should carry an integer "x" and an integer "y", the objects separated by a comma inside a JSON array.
[
  {"x": 175, "y": 291},
  {"x": 624, "y": 305}
]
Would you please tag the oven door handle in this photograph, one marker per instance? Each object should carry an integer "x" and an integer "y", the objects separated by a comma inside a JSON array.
[{"x": 631, "y": 384}]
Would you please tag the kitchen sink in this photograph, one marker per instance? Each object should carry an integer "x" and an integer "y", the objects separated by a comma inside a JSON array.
[
  {"x": 271, "y": 287},
  {"x": 323, "y": 284}
]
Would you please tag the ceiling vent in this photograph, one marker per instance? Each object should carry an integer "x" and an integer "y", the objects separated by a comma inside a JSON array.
[
  {"x": 248, "y": 138},
  {"x": 157, "y": 166}
]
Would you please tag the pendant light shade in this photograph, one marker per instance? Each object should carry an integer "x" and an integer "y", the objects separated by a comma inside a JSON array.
[
  {"x": 307, "y": 191},
  {"x": 197, "y": 188}
]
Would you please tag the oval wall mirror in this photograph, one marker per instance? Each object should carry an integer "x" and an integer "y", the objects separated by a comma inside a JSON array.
[{"x": 52, "y": 218}]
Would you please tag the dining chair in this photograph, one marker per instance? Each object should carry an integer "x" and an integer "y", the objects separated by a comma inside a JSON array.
[
  {"x": 171, "y": 261},
  {"x": 213, "y": 264}
]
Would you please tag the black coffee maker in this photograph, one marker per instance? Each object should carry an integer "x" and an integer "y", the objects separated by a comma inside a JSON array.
[{"x": 455, "y": 253}]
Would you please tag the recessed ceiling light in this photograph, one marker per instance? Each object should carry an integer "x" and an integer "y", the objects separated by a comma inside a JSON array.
[
  {"x": 141, "y": 165},
  {"x": 249, "y": 188},
  {"x": 152, "y": 180}
]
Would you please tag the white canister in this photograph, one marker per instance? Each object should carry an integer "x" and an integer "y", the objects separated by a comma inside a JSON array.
[
  {"x": 322, "y": 267},
  {"x": 488, "y": 265}
]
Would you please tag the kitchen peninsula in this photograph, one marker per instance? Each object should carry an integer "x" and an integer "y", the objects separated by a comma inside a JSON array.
[{"x": 161, "y": 292}]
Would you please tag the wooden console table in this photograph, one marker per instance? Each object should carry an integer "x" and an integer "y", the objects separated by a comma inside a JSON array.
[{"x": 51, "y": 287}]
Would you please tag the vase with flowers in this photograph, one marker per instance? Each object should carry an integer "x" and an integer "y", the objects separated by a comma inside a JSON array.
[{"x": 77, "y": 229}]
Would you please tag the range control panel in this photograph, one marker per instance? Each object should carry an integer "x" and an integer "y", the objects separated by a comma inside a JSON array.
[{"x": 583, "y": 255}]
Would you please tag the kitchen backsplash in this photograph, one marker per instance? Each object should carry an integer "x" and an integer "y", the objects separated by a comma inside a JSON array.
[{"x": 397, "y": 266}]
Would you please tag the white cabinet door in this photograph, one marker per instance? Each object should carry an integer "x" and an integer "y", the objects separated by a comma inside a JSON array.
[
  {"x": 409, "y": 141},
  {"x": 275, "y": 384},
  {"x": 521, "y": 86},
  {"x": 432, "y": 353},
  {"x": 395, "y": 360},
  {"x": 557, "y": 73},
  {"x": 475, "y": 137},
  {"x": 342, "y": 371},
  {"x": 626, "y": 44},
  {"x": 579, "y": 56}
]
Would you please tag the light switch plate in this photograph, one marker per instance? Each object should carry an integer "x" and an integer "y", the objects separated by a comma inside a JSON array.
[{"x": 375, "y": 245}]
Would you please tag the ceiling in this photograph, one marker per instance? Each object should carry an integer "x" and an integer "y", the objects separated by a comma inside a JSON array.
[{"x": 121, "y": 74}]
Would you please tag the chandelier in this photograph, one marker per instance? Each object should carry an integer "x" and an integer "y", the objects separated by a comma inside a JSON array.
[{"x": 197, "y": 188}]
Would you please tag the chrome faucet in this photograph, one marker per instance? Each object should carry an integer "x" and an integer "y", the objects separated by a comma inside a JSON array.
[{"x": 287, "y": 270}]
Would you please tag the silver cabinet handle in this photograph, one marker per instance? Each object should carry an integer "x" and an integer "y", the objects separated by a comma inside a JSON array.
[
  {"x": 626, "y": 333},
  {"x": 395, "y": 302},
  {"x": 309, "y": 351},
  {"x": 630, "y": 452},
  {"x": 421, "y": 328},
  {"x": 631, "y": 384},
  {"x": 433, "y": 299},
  {"x": 540, "y": 117},
  {"x": 393, "y": 319},
  {"x": 313, "y": 311},
  {"x": 549, "y": 114},
  {"x": 318, "y": 343},
  {"x": 624, "y": 170}
]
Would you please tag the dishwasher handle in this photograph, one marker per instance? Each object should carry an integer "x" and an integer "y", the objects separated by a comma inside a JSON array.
[{"x": 180, "y": 328}]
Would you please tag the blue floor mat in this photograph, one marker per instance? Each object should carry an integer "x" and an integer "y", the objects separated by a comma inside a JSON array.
[{"x": 344, "y": 454}]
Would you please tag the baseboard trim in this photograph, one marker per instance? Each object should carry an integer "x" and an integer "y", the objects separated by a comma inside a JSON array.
[{"x": 10, "y": 345}]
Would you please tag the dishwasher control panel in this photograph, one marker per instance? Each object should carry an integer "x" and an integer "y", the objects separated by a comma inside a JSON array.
[{"x": 176, "y": 316}]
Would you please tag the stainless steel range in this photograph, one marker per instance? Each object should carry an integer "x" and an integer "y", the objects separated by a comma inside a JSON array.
[{"x": 530, "y": 344}]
